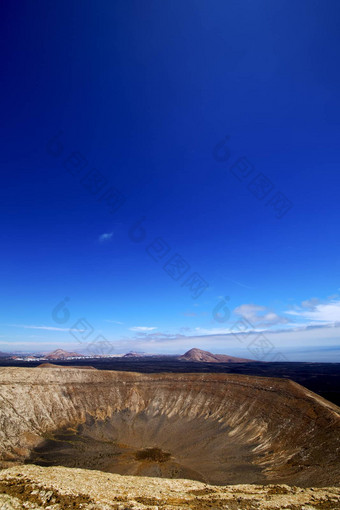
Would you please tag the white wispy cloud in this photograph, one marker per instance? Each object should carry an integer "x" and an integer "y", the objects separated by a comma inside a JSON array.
[
  {"x": 142, "y": 328},
  {"x": 212, "y": 331},
  {"x": 318, "y": 313},
  {"x": 239, "y": 283},
  {"x": 105, "y": 237},
  {"x": 310, "y": 303},
  {"x": 260, "y": 315},
  {"x": 46, "y": 328},
  {"x": 27, "y": 344},
  {"x": 114, "y": 322}
]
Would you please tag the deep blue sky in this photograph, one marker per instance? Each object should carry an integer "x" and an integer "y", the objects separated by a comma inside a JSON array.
[{"x": 144, "y": 91}]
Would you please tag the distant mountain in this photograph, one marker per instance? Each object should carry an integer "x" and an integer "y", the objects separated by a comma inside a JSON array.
[
  {"x": 207, "y": 357},
  {"x": 5, "y": 355},
  {"x": 133, "y": 354},
  {"x": 61, "y": 354}
]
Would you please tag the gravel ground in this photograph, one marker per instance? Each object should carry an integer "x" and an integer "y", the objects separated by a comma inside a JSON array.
[{"x": 60, "y": 488}]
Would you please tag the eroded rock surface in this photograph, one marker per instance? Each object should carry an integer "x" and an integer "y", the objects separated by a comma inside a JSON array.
[
  {"x": 59, "y": 488},
  {"x": 216, "y": 428}
]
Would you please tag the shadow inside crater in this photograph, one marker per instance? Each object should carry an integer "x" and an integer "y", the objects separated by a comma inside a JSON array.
[{"x": 157, "y": 446}]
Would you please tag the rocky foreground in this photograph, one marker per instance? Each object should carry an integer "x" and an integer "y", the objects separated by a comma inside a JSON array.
[{"x": 56, "y": 488}]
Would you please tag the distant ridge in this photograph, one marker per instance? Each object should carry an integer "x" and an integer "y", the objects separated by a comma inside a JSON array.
[
  {"x": 207, "y": 357},
  {"x": 134, "y": 354},
  {"x": 61, "y": 354},
  {"x": 54, "y": 365}
]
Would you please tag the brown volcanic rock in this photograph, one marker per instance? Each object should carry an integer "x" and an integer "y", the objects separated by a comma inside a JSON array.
[
  {"x": 207, "y": 357},
  {"x": 61, "y": 488},
  {"x": 61, "y": 354},
  {"x": 217, "y": 428}
]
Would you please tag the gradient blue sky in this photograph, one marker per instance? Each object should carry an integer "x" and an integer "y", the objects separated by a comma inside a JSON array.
[{"x": 145, "y": 91}]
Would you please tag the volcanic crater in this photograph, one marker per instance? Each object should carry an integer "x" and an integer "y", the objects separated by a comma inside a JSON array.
[{"x": 216, "y": 428}]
